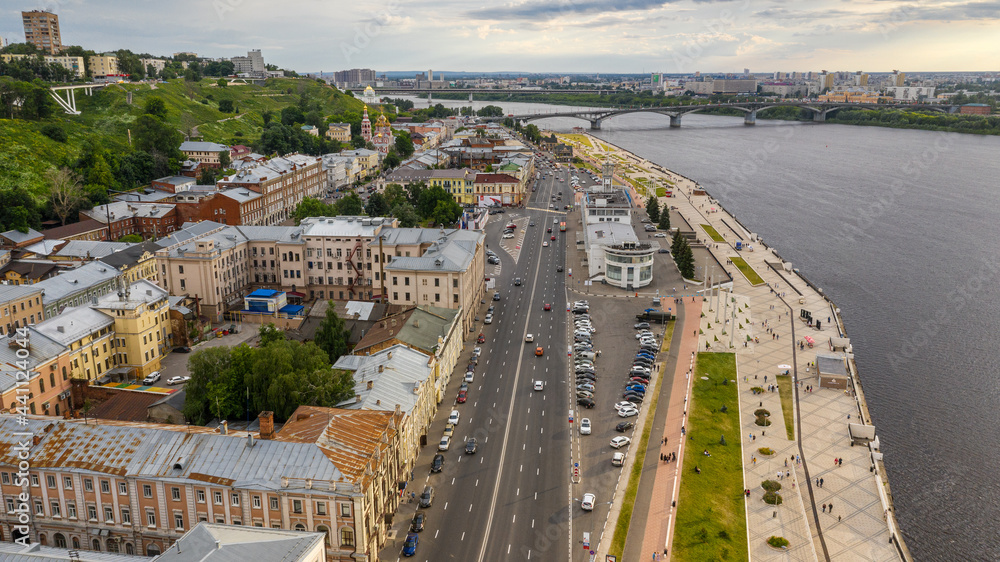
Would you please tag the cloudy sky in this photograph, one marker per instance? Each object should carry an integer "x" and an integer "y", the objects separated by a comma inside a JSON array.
[{"x": 544, "y": 35}]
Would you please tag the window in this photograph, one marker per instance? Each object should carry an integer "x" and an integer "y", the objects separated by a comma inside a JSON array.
[
  {"x": 235, "y": 498},
  {"x": 150, "y": 518},
  {"x": 180, "y": 269},
  {"x": 217, "y": 497},
  {"x": 345, "y": 510},
  {"x": 273, "y": 502},
  {"x": 71, "y": 510},
  {"x": 123, "y": 488},
  {"x": 92, "y": 512},
  {"x": 56, "y": 509},
  {"x": 109, "y": 515},
  {"x": 50, "y": 481},
  {"x": 347, "y": 536},
  {"x": 105, "y": 487},
  {"x": 178, "y": 521},
  {"x": 126, "y": 516},
  {"x": 297, "y": 506},
  {"x": 34, "y": 477},
  {"x": 5, "y": 477},
  {"x": 256, "y": 502},
  {"x": 321, "y": 508},
  {"x": 175, "y": 494},
  {"x": 68, "y": 482},
  {"x": 200, "y": 494},
  {"x": 454, "y": 283},
  {"x": 147, "y": 491},
  {"x": 10, "y": 505}
]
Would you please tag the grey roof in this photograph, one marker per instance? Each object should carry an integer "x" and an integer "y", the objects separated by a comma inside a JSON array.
[
  {"x": 141, "y": 197},
  {"x": 41, "y": 348},
  {"x": 170, "y": 453},
  {"x": 401, "y": 369},
  {"x": 74, "y": 323},
  {"x": 346, "y": 226},
  {"x": 16, "y": 236},
  {"x": 828, "y": 364},
  {"x": 240, "y": 195},
  {"x": 14, "y": 552},
  {"x": 122, "y": 209},
  {"x": 43, "y": 247},
  {"x": 11, "y": 292},
  {"x": 130, "y": 256},
  {"x": 140, "y": 292},
  {"x": 193, "y": 146},
  {"x": 76, "y": 280},
  {"x": 610, "y": 233},
  {"x": 361, "y": 308},
  {"x": 211, "y": 542},
  {"x": 188, "y": 231},
  {"x": 176, "y": 180},
  {"x": 96, "y": 249},
  {"x": 453, "y": 253}
]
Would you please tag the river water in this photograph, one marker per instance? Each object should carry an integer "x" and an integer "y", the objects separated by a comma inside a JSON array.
[{"x": 901, "y": 229}]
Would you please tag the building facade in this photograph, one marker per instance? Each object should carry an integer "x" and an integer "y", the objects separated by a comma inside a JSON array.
[
  {"x": 41, "y": 29},
  {"x": 20, "y": 305},
  {"x": 283, "y": 182}
]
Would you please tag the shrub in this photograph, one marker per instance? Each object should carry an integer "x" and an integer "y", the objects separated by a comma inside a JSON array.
[
  {"x": 55, "y": 132},
  {"x": 766, "y": 451},
  {"x": 761, "y": 412},
  {"x": 772, "y": 498},
  {"x": 778, "y": 542},
  {"x": 757, "y": 389},
  {"x": 762, "y": 421},
  {"x": 770, "y": 485}
]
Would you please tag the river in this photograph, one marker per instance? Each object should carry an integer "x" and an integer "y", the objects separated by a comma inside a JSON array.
[{"x": 900, "y": 228}]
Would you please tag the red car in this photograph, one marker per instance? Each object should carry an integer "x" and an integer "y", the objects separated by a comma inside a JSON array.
[
  {"x": 548, "y": 306},
  {"x": 481, "y": 339},
  {"x": 553, "y": 236},
  {"x": 461, "y": 396}
]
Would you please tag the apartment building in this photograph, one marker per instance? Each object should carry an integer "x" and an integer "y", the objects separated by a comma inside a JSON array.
[
  {"x": 100, "y": 66},
  {"x": 340, "y": 132},
  {"x": 149, "y": 220},
  {"x": 41, "y": 29},
  {"x": 459, "y": 182},
  {"x": 495, "y": 190},
  {"x": 141, "y": 327},
  {"x": 283, "y": 182},
  {"x": 20, "y": 305},
  {"x": 84, "y": 230},
  {"x": 46, "y": 390},
  {"x": 78, "y": 286},
  {"x": 205, "y": 153},
  {"x": 138, "y": 261},
  {"x": 136, "y": 488},
  {"x": 73, "y": 64},
  {"x": 88, "y": 336}
]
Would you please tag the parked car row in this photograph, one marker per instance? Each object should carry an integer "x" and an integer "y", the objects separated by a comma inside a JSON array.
[{"x": 584, "y": 355}]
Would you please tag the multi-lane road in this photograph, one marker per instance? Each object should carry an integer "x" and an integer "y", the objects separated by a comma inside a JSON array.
[{"x": 513, "y": 499}]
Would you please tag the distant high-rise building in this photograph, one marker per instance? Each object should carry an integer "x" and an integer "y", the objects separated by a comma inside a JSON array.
[
  {"x": 860, "y": 79},
  {"x": 354, "y": 76},
  {"x": 252, "y": 64},
  {"x": 41, "y": 29},
  {"x": 898, "y": 78},
  {"x": 746, "y": 72}
]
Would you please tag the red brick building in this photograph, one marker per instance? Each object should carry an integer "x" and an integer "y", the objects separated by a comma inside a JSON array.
[{"x": 149, "y": 220}]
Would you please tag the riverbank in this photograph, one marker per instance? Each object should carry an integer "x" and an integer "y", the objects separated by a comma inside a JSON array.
[{"x": 764, "y": 331}]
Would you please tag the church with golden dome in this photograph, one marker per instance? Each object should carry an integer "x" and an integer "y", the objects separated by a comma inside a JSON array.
[{"x": 380, "y": 134}]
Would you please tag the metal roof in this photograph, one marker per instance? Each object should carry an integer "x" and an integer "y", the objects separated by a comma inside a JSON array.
[
  {"x": 74, "y": 323},
  {"x": 41, "y": 349},
  {"x": 17, "y": 237},
  {"x": 95, "y": 249},
  {"x": 394, "y": 373},
  {"x": 76, "y": 280},
  {"x": 197, "y": 146},
  {"x": 11, "y": 292},
  {"x": 211, "y": 542},
  {"x": 34, "y": 552}
]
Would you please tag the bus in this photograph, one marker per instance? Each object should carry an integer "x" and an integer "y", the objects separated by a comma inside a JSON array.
[{"x": 562, "y": 227}]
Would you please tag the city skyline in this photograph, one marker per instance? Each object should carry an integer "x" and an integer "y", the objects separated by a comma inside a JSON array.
[{"x": 571, "y": 36}]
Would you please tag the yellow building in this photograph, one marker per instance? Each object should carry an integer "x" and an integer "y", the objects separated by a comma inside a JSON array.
[
  {"x": 459, "y": 182},
  {"x": 73, "y": 64},
  {"x": 141, "y": 326},
  {"x": 100, "y": 66},
  {"x": 89, "y": 336},
  {"x": 136, "y": 262}
]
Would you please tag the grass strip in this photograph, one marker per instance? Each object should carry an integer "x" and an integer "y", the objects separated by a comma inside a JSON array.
[
  {"x": 747, "y": 271},
  {"x": 714, "y": 234},
  {"x": 582, "y": 139},
  {"x": 711, "y": 520},
  {"x": 785, "y": 392},
  {"x": 628, "y": 501}
]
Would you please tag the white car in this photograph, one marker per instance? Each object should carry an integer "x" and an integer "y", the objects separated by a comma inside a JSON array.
[
  {"x": 618, "y": 459},
  {"x": 178, "y": 379},
  {"x": 628, "y": 412},
  {"x": 453, "y": 418},
  {"x": 545, "y": 244},
  {"x": 641, "y": 335},
  {"x": 489, "y": 319},
  {"x": 623, "y": 404},
  {"x": 659, "y": 235},
  {"x": 444, "y": 444},
  {"x": 588, "y": 502},
  {"x": 469, "y": 375},
  {"x": 620, "y": 441},
  {"x": 507, "y": 236},
  {"x": 529, "y": 338},
  {"x": 585, "y": 426},
  {"x": 476, "y": 352},
  {"x": 539, "y": 385}
]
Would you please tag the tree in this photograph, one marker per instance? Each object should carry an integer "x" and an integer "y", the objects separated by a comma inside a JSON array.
[
  {"x": 154, "y": 135},
  {"x": 66, "y": 192},
  {"x": 99, "y": 173},
  {"x": 269, "y": 334},
  {"x": 222, "y": 83},
  {"x": 207, "y": 176},
  {"x": 226, "y": 106},
  {"x": 490, "y": 111},
  {"x": 332, "y": 336},
  {"x": 224, "y": 159},
  {"x": 391, "y": 160},
  {"x": 266, "y": 115},
  {"x": 310, "y": 207},
  {"x": 404, "y": 144},
  {"x": 377, "y": 206},
  {"x": 446, "y": 212},
  {"x": 54, "y": 132},
  {"x": 406, "y": 215},
  {"x": 349, "y": 204},
  {"x": 18, "y": 210},
  {"x": 653, "y": 209},
  {"x": 664, "y": 219},
  {"x": 394, "y": 194},
  {"x": 204, "y": 367},
  {"x": 532, "y": 133},
  {"x": 292, "y": 115},
  {"x": 131, "y": 238},
  {"x": 428, "y": 199}
]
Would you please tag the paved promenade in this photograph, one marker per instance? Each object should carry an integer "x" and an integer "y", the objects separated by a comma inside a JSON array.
[{"x": 849, "y": 515}]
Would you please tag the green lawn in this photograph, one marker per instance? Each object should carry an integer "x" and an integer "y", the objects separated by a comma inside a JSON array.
[
  {"x": 747, "y": 271},
  {"x": 711, "y": 520},
  {"x": 582, "y": 139},
  {"x": 628, "y": 502},
  {"x": 714, "y": 234},
  {"x": 785, "y": 391}
]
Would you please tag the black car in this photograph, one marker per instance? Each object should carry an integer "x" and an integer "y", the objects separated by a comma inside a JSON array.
[
  {"x": 586, "y": 402},
  {"x": 470, "y": 446},
  {"x": 496, "y": 296},
  {"x": 182, "y": 349},
  {"x": 633, "y": 397},
  {"x": 559, "y": 268},
  {"x": 438, "y": 463},
  {"x": 517, "y": 281},
  {"x": 417, "y": 523},
  {"x": 624, "y": 426}
]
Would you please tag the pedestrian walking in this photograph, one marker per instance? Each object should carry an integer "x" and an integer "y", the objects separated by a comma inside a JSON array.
[
  {"x": 824, "y": 508},
  {"x": 820, "y": 482},
  {"x": 830, "y": 508},
  {"x": 817, "y": 482}
]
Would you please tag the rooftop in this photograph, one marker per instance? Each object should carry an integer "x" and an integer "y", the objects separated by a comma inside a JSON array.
[
  {"x": 419, "y": 327},
  {"x": 41, "y": 349},
  {"x": 18, "y": 237},
  {"x": 74, "y": 323},
  {"x": 212, "y": 542},
  {"x": 196, "y": 146},
  {"x": 95, "y": 249},
  {"x": 345, "y": 226},
  {"x": 75, "y": 280},
  {"x": 395, "y": 374},
  {"x": 74, "y": 229}
]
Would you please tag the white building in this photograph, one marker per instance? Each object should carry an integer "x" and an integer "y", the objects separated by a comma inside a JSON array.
[{"x": 252, "y": 64}]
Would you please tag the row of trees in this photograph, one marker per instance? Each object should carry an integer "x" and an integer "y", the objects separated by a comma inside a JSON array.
[
  {"x": 22, "y": 99},
  {"x": 661, "y": 217},
  {"x": 683, "y": 256},
  {"x": 408, "y": 205},
  {"x": 279, "y": 376}
]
